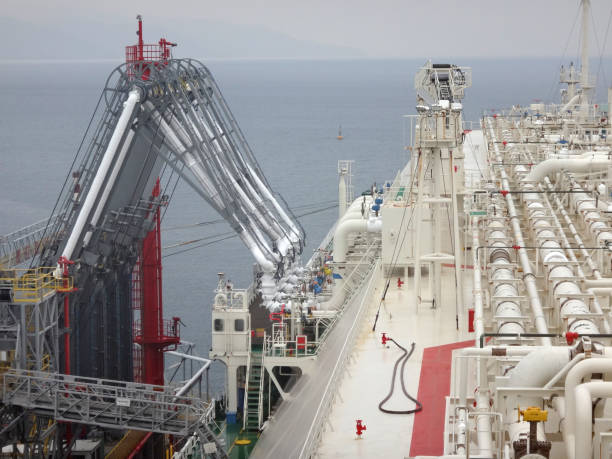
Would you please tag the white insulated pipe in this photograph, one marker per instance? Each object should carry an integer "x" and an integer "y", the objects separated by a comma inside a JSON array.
[
  {"x": 485, "y": 440},
  {"x": 478, "y": 307},
  {"x": 206, "y": 363},
  {"x": 266, "y": 265},
  {"x": 584, "y": 395},
  {"x": 281, "y": 234},
  {"x": 461, "y": 429},
  {"x": 596, "y": 305},
  {"x": 346, "y": 227},
  {"x": 570, "y": 224},
  {"x": 174, "y": 133},
  {"x": 129, "y": 106},
  {"x": 550, "y": 166},
  {"x": 282, "y": 241},
  {"x": 499, "y": 262},
  {"x": 573, "y": 101},
  {"x": 110, "y": 184},
  {"x": 569, "y": 306},
  {"x": 534, "y": 370},
  {"x": 551, "y": 251},
  {"x": 183, "y": 148},
  {"x": 529, "y": 279},
  {"x": 342, "y": 194},
  {"x": 574, "y": 377},
  {"x": 585, "y": 204},
  {"x": 584, "y": 47},
  {"x": 295, "y": 232}
]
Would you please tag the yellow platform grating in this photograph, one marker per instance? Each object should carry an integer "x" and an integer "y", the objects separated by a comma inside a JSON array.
[{"x": 34, "y": 284}]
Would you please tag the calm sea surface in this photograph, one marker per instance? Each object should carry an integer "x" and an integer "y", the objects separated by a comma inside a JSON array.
[{"x": 289, "y": 111}]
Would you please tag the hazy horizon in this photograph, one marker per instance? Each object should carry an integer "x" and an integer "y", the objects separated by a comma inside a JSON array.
[{"x": 288, "y": 29}]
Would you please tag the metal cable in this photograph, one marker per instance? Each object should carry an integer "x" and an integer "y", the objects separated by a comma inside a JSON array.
[
  {"x": 228, "y": 235},
  {"x": 569, "y": 37},
  {"x": 59, "y": 197},
  {"x": 394, "y": 256}
]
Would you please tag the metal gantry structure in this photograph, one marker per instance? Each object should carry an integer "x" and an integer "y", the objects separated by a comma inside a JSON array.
[
  {"x": 105, "y": 403},
  {"x": 438, "y": 171},
  {"x": 158, "y": 119}
]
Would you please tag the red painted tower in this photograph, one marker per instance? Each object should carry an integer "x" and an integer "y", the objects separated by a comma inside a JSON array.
[{"x": 152, "y": 333}]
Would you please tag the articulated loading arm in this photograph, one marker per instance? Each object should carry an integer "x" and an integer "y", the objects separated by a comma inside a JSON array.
[
  {"x": 176, "y": 110},
  {"x": 199, "y": 132}
]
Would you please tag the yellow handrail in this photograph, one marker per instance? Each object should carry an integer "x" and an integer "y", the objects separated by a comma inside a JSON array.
[{"x": 34, "y": 284}]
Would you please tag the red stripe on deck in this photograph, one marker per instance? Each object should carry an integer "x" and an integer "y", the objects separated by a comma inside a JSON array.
[{"x": 434, "y": 386}]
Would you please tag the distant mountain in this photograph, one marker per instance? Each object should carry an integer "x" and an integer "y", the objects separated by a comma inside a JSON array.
[{"x": 78, "y": 40}]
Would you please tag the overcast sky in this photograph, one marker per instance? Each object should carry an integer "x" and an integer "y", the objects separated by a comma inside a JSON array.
[{"x": 370, "y": 28}]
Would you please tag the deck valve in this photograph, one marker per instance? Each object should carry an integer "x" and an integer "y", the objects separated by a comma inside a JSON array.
[
  {"x": 531, "y": 445},
  {"x": 384, "y": 339},
  {"x": 360, "y": 428}
]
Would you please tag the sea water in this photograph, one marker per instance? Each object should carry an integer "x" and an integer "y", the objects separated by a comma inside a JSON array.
[{"x": 290, "y": 113}]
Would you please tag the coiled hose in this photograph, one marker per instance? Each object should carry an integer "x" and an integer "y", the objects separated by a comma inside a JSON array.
[{"x": 403, "y": 359}]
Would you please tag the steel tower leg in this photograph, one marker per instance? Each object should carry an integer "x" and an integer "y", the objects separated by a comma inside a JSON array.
[{"x": 152, "y": 320}]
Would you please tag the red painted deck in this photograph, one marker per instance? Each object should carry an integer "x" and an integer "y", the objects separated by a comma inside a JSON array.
[{"x": 434, "y": 386}]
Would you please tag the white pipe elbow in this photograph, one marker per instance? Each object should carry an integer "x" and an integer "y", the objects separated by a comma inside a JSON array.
[
  {"x": 572, "y": 380},
  {"x": 341, "y": 237},
  {"x": 573, "y": 165},
  {"x": 584, "y": 394},
  {"x": 349, "y": 226}
]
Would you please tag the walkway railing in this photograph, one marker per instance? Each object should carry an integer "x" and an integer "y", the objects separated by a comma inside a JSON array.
[
  {"x": 106, "y": 403},
  {"x": 21, "y": 245},
  {"x": 319, "y": 421},
  {"x": 277, "y": 345}
]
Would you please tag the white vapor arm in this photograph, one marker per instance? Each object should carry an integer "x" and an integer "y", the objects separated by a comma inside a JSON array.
[
  {"x": 130, "y": 105},
  {"x": 295, "y": 232}
]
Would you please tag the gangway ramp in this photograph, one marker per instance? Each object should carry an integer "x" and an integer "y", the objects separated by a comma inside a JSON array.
[{"x": 295, "y": 429}]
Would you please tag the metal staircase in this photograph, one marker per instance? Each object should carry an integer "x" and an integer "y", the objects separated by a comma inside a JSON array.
[
  {"x": 360, "y": 260},
  {"x": 253, "y": 392},
  {"x": 211, "y": 446}
]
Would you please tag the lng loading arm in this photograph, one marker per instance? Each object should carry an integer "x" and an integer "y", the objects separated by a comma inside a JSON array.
[{"x": 158, "y": 119}]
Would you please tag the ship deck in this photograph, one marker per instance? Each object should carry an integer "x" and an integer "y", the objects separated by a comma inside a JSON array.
[
  {"x": 368, "y": 377},
  {"x": 435, "y": 332},
  {"x": 352, "y": 379}
]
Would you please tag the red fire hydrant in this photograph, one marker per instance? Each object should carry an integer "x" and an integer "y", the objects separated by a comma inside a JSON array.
[
  {"x": 360, "y": 428},
  {"x": 384, "y": 338},
  {"x": 400, "y": 282},
  {"x": 570, "y": 337}
]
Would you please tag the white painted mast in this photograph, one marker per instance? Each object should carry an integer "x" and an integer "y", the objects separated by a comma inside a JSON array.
[
  {"x": 584, "y": 53},
  {"x": 585, "y": 82}
]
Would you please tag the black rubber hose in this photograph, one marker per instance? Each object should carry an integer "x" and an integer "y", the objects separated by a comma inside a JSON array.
[{"x": 403, "y": 359}]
